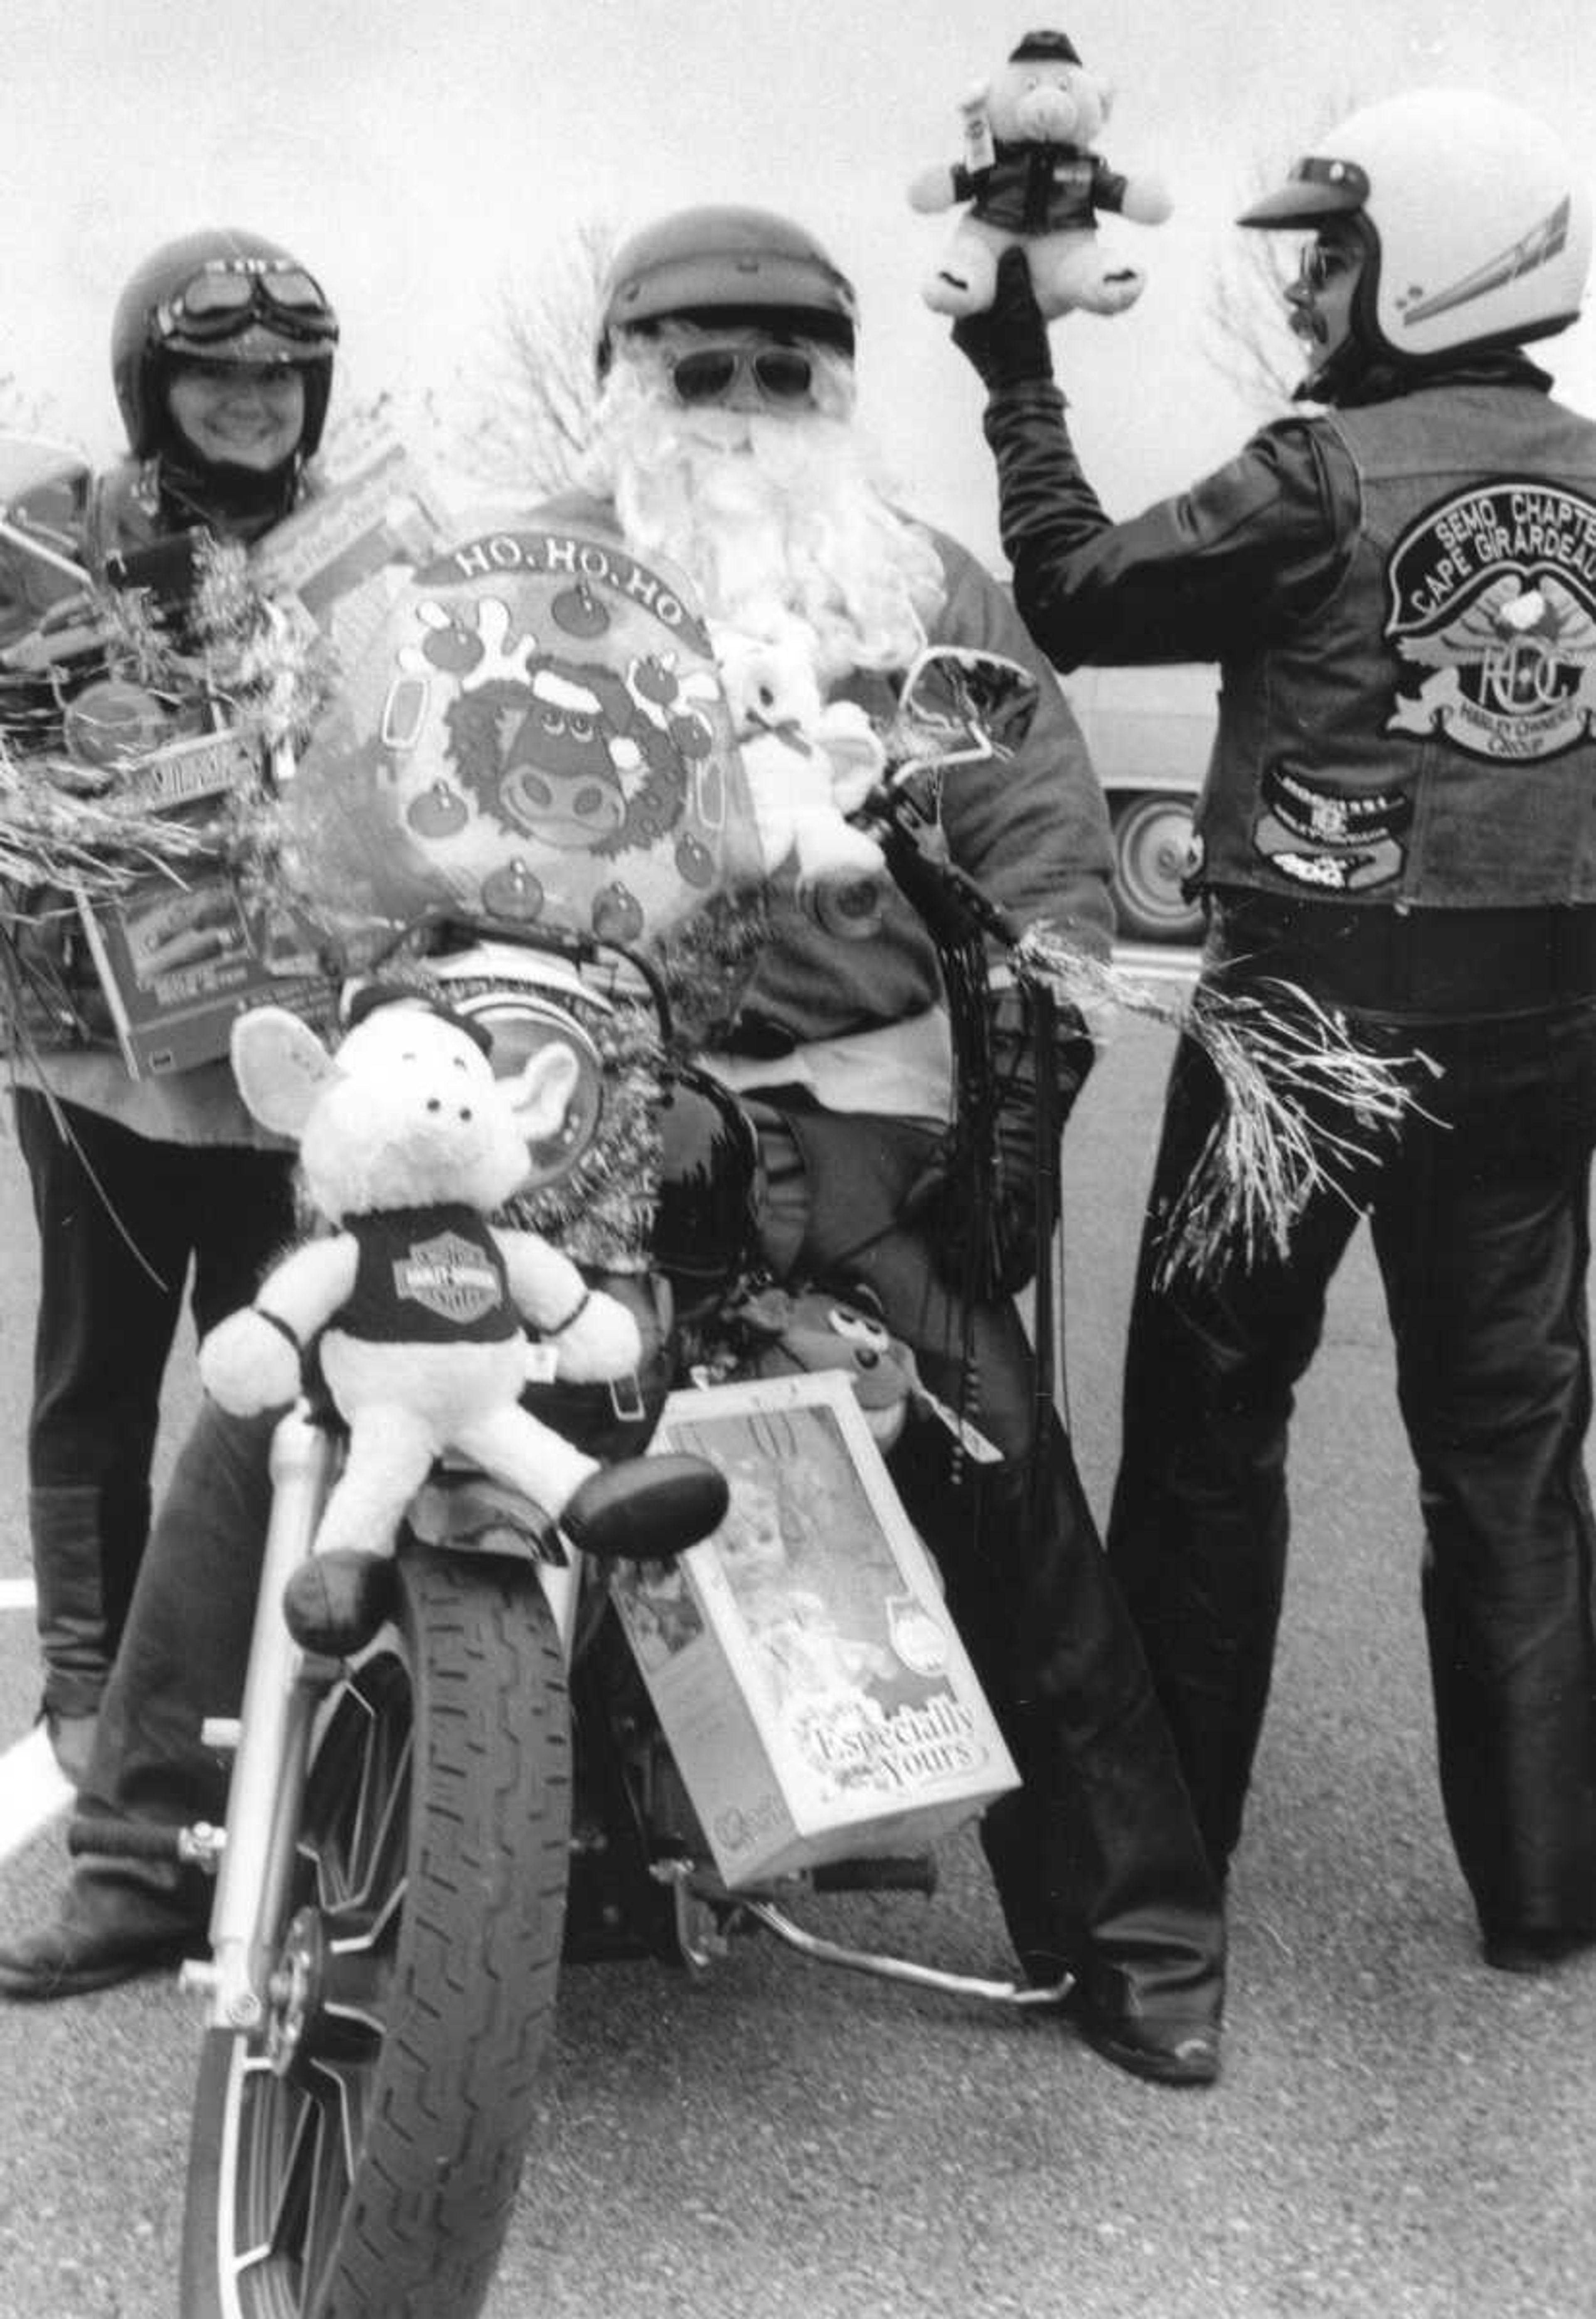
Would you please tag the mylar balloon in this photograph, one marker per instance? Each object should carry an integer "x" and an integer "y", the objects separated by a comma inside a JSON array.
[{"x": 534, "y": 728}]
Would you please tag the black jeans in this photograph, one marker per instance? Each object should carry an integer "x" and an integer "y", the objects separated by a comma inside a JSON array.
[
  {"x": 121, "y": 1219},
  {"x": 1480, "y": 1226}
]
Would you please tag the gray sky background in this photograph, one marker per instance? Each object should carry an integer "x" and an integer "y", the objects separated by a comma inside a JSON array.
[{"x": 425, "y": 154}]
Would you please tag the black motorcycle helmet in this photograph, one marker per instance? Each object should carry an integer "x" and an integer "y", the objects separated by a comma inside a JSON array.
[
  {"x": 221, "y": 296},
  {"x": 726, "y": 265}
]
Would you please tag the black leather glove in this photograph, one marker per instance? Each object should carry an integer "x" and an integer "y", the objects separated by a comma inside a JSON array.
[
  {"x": 1008, "y": 344},
  {"x": 986, "y": 1237}
]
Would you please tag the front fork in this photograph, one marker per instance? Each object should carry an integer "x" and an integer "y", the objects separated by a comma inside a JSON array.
[
  {"x": 283, "y": 1689},
  {"x": 270, "y": 1741}
]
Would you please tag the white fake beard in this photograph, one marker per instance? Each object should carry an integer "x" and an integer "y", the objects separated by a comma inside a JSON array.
[{"x": 772, "y": 518}]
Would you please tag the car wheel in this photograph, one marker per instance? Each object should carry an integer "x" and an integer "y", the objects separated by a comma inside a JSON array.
[{"x": 1152, "y": 837}]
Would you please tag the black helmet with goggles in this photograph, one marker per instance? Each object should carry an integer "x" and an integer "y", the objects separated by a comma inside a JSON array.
[{"x": 221, "y": 296}]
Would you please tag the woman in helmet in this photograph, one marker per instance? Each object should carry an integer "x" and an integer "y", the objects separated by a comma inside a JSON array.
[
  {"x": 1400, "y": 817},
  {"x": 222, "y": 353},
  {"x": 221, "y": 357}
]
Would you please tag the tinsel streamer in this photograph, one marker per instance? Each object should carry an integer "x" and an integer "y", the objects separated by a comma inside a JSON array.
[
  {"x": 704, "y": 962},
  {"x": 602, "y": 1213},
  {"x": 1304, "y": 1103},
  {"x": 258, "y": 657},
  {"x": 95, "y": 845},
  {"x": 266, "y": 658}
]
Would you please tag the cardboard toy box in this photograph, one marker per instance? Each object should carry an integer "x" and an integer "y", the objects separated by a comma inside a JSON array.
[
  {"x": 348, "y": 553},
  {"x": 802, "y": 1661},
  {"x": 180, "y": 955}
]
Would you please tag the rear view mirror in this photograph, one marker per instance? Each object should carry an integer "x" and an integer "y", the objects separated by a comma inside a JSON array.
[
  {"x": 44, "y": 491},
  {"x": 961, "y": 707}
]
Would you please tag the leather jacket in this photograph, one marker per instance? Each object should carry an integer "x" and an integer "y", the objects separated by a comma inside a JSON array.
[{"x": 1400, "y": 597}]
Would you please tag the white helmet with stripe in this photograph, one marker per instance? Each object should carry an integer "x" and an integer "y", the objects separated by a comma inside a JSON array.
[{"x": 1477, "y": 222}]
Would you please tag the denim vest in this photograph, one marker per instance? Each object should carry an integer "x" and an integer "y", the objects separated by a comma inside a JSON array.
[{"x": 1426, "y": 737}]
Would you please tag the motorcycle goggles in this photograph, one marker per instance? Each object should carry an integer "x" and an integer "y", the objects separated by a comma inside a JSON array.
[
  {"x": 223, "y": 300},
  {"x": 783, "y": 375}
]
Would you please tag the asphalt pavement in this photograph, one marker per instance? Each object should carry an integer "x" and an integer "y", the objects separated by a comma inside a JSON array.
[{"x": 1399, "y": 2133}]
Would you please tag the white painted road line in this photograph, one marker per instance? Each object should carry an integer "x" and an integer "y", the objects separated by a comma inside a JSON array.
[
  {"x": 17, "y": 1594},
  {"x": 34, "y": 1792}
]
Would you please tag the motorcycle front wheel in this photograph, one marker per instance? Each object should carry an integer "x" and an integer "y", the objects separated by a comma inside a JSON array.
[{"x": 357, "y": 2157}]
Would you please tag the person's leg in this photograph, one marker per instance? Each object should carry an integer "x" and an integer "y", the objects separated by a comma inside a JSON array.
[
  {"x": 112, "y": 1261},
  {"x": 183, "y": 1657},
  {"x": 1198, "y": 1526},
  {"x": 241, "y": 1216},
  {"x": 1096, "y": 1859},
  {"x": 1097, "y": 1862},
  {"x": 1485, "y": 1255}
]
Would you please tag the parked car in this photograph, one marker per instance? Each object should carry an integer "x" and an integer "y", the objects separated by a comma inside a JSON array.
[{"x": 1149, "y": 730}]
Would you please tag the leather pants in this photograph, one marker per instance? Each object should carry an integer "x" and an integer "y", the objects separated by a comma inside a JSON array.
[{"x": 1479, "y": 1218}]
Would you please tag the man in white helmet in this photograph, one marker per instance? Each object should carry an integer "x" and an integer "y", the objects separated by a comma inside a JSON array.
[
  {"x": 1400, "y": 817},
  {"x": 725, "y": 442}
]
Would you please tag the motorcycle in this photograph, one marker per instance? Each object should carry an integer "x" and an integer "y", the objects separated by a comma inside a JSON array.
[{"x": 416, "y": 1840}]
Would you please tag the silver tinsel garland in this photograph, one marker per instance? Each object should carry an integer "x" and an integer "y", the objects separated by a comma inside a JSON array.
[{"x": 1302, "y": 1100}]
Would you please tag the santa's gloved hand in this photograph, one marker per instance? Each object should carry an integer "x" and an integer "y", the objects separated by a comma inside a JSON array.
[
  {"x": 987, "y": 1238},
  {"x": 1008, "y": 344}
]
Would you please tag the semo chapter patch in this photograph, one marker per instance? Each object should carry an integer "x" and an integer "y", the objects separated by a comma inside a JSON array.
[{"x": 1492, "y": 611}]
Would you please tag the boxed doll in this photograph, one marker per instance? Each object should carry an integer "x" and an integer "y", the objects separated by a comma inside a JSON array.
[{"x": 802, "y": 1663}]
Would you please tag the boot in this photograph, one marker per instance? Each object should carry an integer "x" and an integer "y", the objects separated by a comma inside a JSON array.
[{"x": 107, "y": 1931}]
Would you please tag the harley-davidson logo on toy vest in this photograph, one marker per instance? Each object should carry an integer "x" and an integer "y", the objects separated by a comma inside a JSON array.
[
  {"x": 429, "y": 1276},
  {"x": 536, "y": 732}
]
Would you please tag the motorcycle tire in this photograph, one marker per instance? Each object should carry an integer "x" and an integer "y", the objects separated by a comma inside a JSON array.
[{"x": 357, "y": 2157}]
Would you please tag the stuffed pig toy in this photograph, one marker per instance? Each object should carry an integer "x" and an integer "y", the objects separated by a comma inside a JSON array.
[
  {"x": 415, "y": 1301},
  {"x": 1030, "y": 177}
]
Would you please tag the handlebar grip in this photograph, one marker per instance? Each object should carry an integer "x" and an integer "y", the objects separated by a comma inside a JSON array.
[{"x": 124, "y": 1839}]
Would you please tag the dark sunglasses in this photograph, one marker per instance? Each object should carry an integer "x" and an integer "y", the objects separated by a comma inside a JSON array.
[
  {"x": 1322, "y": 262},
  {"x": 708, "y": 373},
  {"x": 220, "y": 302}
]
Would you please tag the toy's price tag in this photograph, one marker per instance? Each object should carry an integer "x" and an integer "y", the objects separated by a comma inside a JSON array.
[
  {"x": 542, "y": 1361},
  {"x": 980, "y": 151}
]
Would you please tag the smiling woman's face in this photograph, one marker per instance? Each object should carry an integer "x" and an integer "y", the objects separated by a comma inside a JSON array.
[{"x": 239, "y": 414}]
